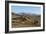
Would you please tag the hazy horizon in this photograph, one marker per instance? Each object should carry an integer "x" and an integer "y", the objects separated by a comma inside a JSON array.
[{"x": 26, "y": 9}]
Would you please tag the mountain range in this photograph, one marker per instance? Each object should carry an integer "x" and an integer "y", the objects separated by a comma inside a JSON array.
[{"x": 25, "y": 14}]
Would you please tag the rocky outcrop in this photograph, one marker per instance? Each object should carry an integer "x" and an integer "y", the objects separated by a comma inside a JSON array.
[{"x": 22, "y": 21}]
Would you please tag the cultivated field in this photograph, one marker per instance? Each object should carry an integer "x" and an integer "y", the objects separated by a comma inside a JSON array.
[{"x": 25, "y": 20}]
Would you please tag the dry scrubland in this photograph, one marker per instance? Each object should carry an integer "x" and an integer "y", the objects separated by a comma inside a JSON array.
[{"x": 25, "y": 20}]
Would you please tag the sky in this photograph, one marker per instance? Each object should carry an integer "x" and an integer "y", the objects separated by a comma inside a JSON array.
[{"x": 26, "y": 9}]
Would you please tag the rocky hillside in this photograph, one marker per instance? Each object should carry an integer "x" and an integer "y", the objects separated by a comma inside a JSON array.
[{"x": 25, "y": 20}]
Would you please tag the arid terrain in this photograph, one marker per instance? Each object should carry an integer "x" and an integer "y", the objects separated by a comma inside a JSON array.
[{"x": 25, "y": 20}]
